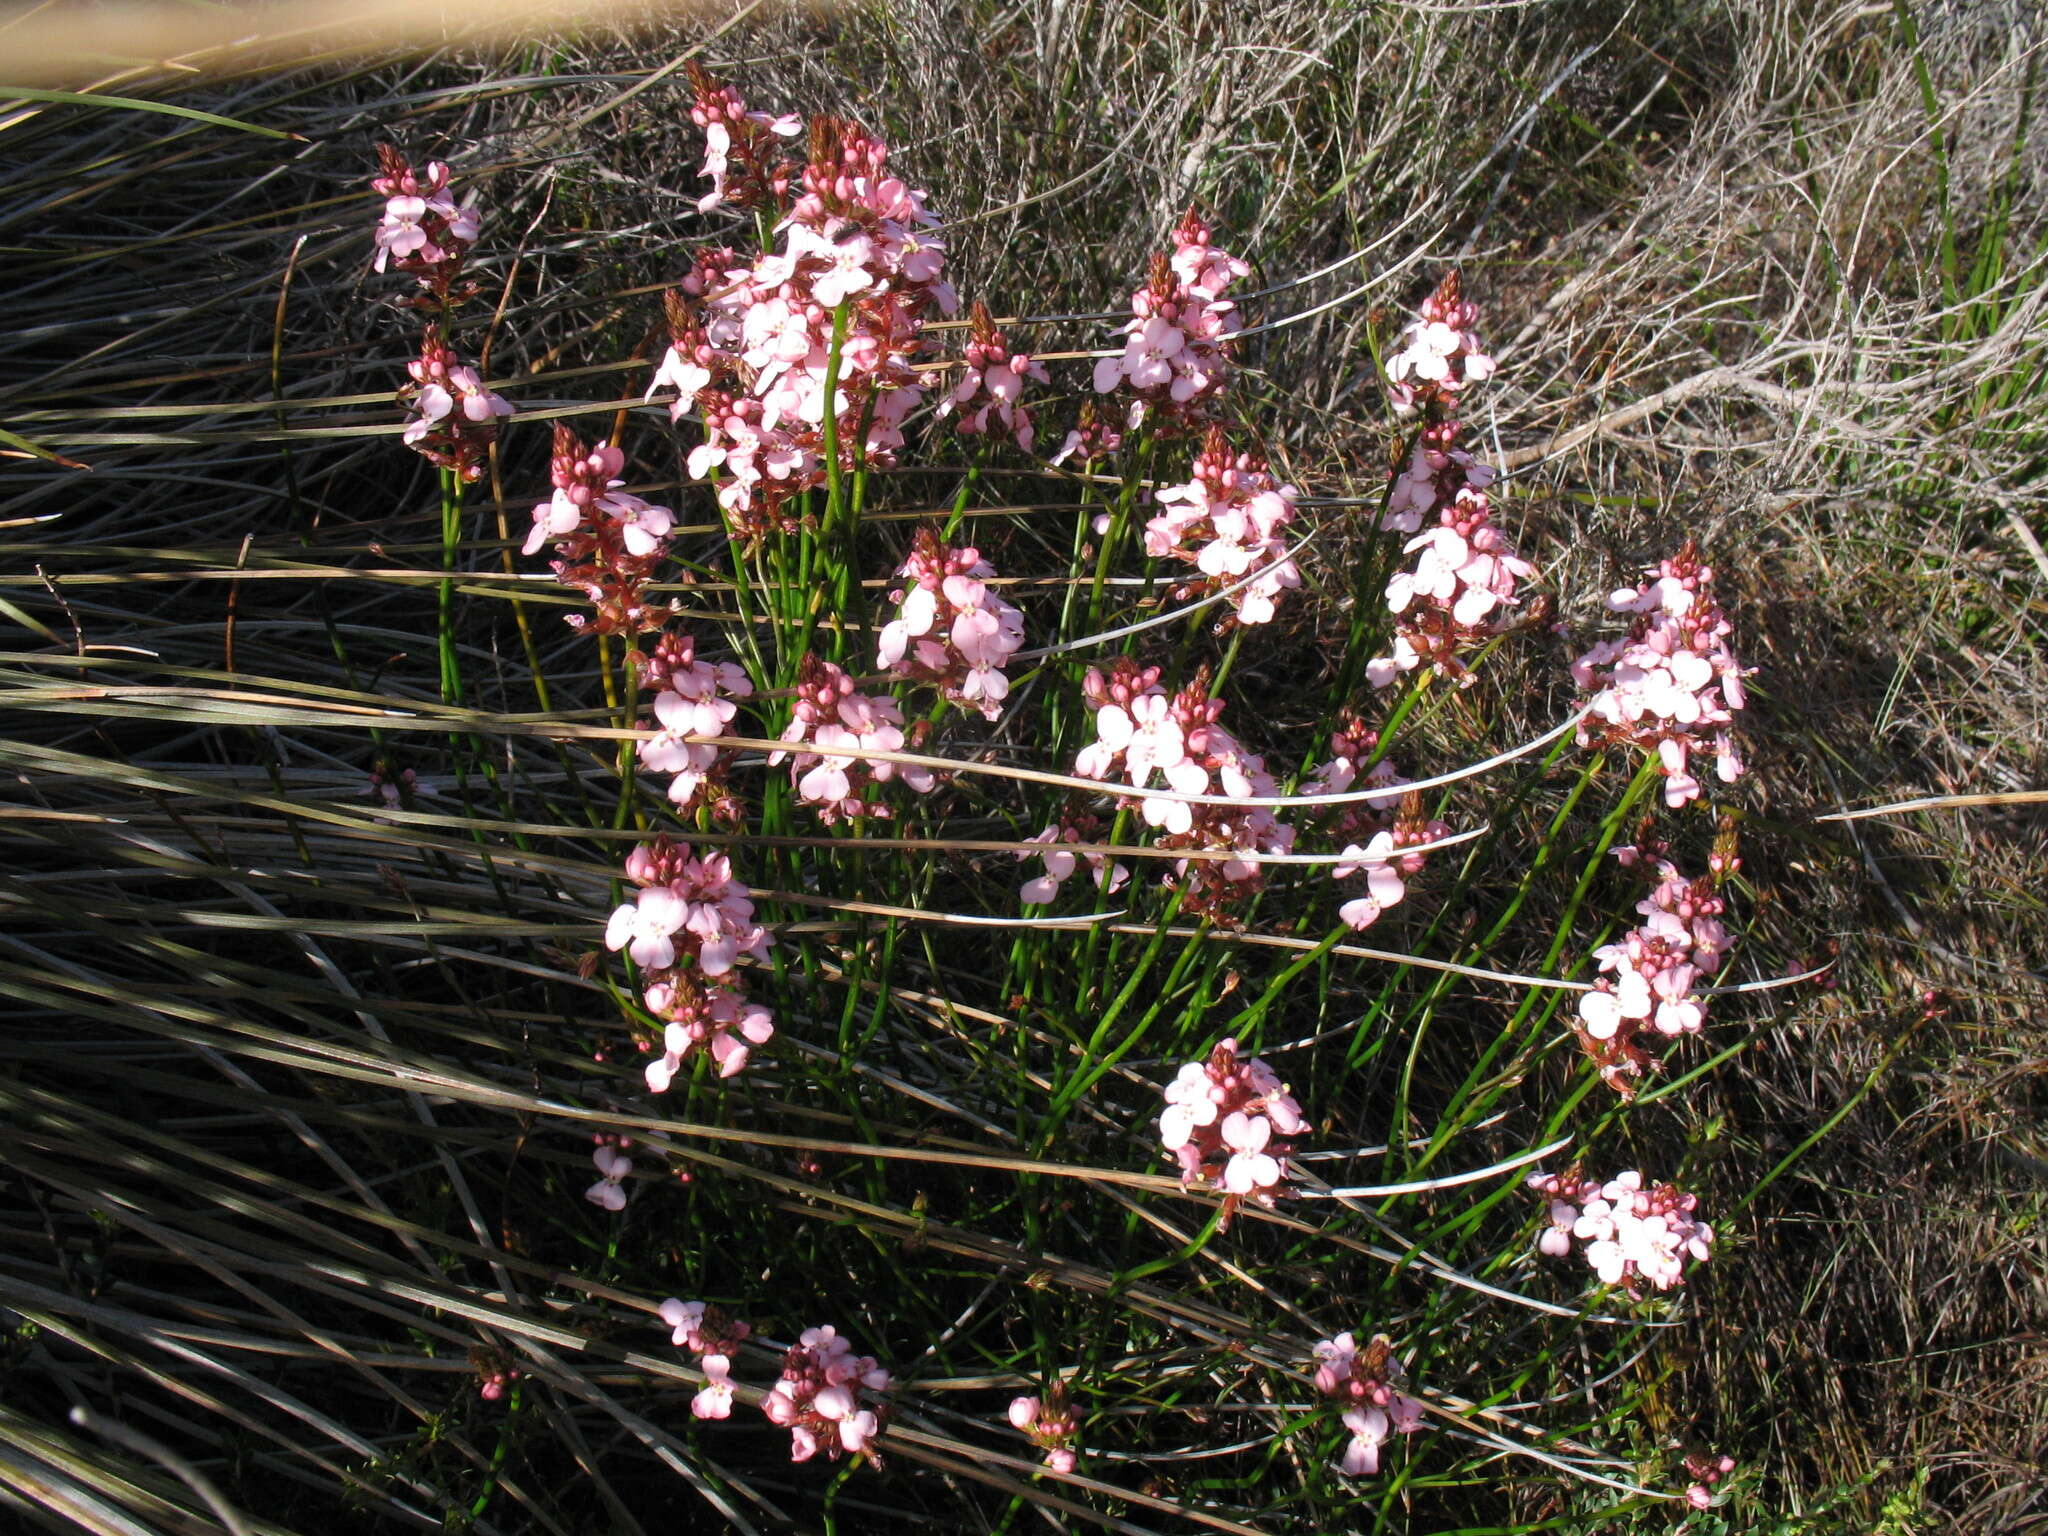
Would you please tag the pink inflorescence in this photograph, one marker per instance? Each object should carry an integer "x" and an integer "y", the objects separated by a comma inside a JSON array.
[
  {"x": 1141, "y": 730},
  {"x": 426, "y": 233},
  {"x": 1631, "y": 1234},
  {"x": 1059, "y": 864},
  {"x": 614, "y": 1163},
  {"x": 1439, "y": 353},
  {"x": 608, "y": 542},
  {"x": 1438, "y": 471},
  {"x": 714, "y": 1336},
  {"x": 1467, "y": 577},
  {"x": 1229, "y": 522},
  {"x": 1652, "y": 973},
  {"x": 495, "y": 1374},
  {"x": 688, "y": 923},
  {"x": 1176, "y": 354},
  {"x": 1230, "y": 1121},
  {"x": 423, "y": 231},
  {"x": 831, "y": 713},
  {"x": 455, "y": 419},
  {"x": 1363, "y": 1381},
  {"x": 1672, "y": 685},
  {"x": 951, "y": 629},
  {"x": 819, "y": 1400},
  {"x": 1092, "y": 437},
  {"x": 1385, "y": 836},
  {"x": 1708, "y": 1469},
  {"x": 693, "y": 698},
  {"x": 990, "y": 386},
  {"x": 742, "y": 156},
  {"x": 752, "y": 337},
  {"x": 1050, "y": 1423}
]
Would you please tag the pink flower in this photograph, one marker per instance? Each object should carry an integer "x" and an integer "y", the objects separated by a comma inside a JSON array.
[
  {"x": 1672, "y": 685},
  {"x": 422, "y": 228},
  {"x": 819, "y": 1397},
  {"x": 1176, "y": 352},
  {"x": 752, "y": 336},
  {"x": 1092, "y": 438},
  {"x": 645, "y": 927},
  {"x": 715, "y": 1400},
  {"x": 830, "y": 713},
  {"x": 457, "y": 417},
  {"x": 1439, "y": 354},
  {"x": 1143, "y": 731},
  {"x": 1228, "y": 522},
  {"x": 1059, "y": 865},
  {"x": 986, "y": 393},
  {"x": 951, "y": 630},
  {"x": 1364, "y": 1379},
  {"x": 613, "y": 1165},
  {"x": 1632, "y": 1234},
  {"x": 1227, "y": 1110},
  {"x": 1649, "y": 974},
  {"x": 1051, "y": 1425},
  {"x": 686, "y": 927}
]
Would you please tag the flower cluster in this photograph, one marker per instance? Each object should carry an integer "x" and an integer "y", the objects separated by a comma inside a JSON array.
[
  {"x": 1671, "y": 685},
  {"x": 608, "y": 542},
  {"x": 495, "y": 1374},
  {"x": 1388, "y": 860},
  {"x": 714, "y": 1338},
  {"x": 693, "y": 698},
  {"x": 614, "y": 1163},
  {"x": 1631, "y": 1234},
  {"x": 951, "y": 629},
  {"x": 741, "y": 156},
  {"x": 1230, "y": 1120},
  {"x": 754, "y": 342},
  {"x": 1437, "y": 471},
  {"x": 1091, "y": 438},
  {"x": 1654, "y": 968},
  {"x": 830, "y": 713},
  {"x": 818, "y": 1397},
  {"x": 991, "y": 383},
  {"x": 1142, "y": 730},
  {"x": 1385, "y": 835},
  {"x": 1228, "y": 522},
  {"x": 691, "y": 908},
  {"x": 424, "y": 231},
  {"x": 1059, "y": 864},
  {"x": 1176, "y": 354},
  {"x": 455, "y": 419},
  {"x": 1708, "y": 1469},
  {"x": 395, "y": 786},
  {"x": 1466, "y": 577},
  {"x": 703, "y": 1016},
  {"x": 1363, "y": 1380},
  {"x": 1050, "y": 1423},
  {"x": 1439, "y": 353}
]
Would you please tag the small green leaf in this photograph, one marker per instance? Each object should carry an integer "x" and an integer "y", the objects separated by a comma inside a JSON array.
[
  {"x": 137, "y": 104},
  {"x": 19, "y": 444}
]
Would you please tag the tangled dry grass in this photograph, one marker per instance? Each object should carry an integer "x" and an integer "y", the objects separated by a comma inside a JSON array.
[{"x": 1767, "y": 273}]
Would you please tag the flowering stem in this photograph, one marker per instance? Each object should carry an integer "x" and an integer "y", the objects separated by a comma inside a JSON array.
[
  {"x": 1123, "y": 1280},
  {"x": 1126, "y": 498},
  {"x": 1096, "y": 1062},
  {"x": 835, "y": 490},
  {"x": 451, "y": 534},
  {"x": 499, "y": 1453}
]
